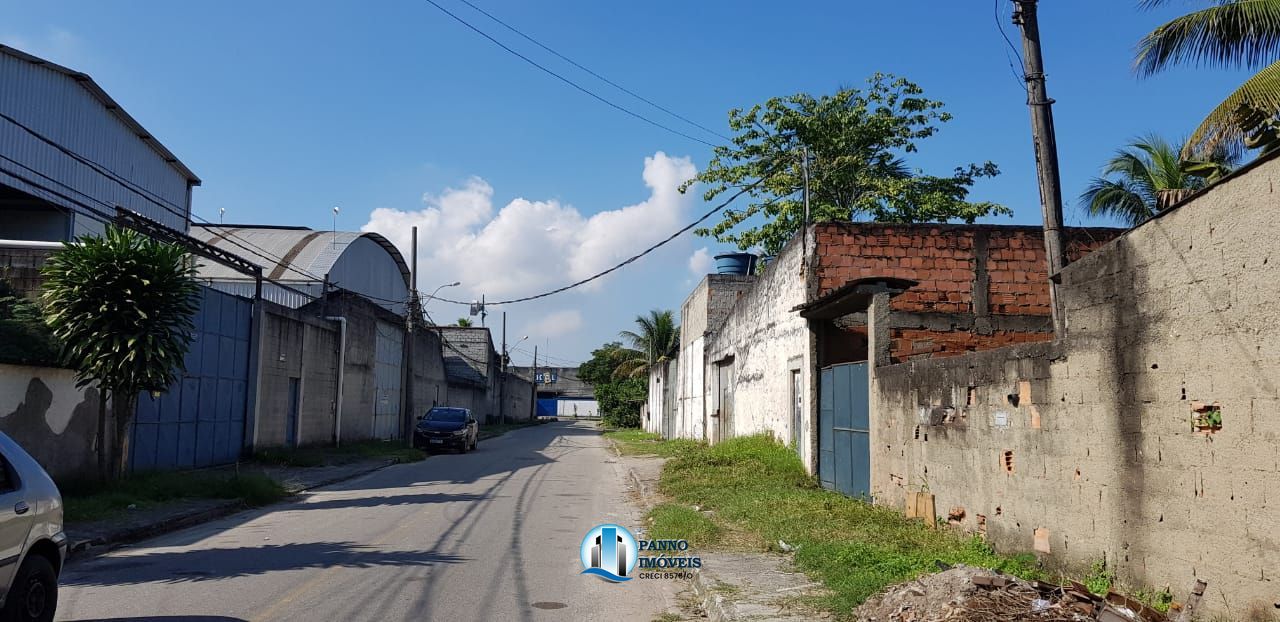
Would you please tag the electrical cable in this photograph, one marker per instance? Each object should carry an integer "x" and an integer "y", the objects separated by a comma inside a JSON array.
[
  {"x": 633, "y": 258},
  {"x": 594, "y": 74},
  {"x": 1017, "y": 73},
  {"x": 151, "y": 197},
  {"x": 575, "y": 85}
]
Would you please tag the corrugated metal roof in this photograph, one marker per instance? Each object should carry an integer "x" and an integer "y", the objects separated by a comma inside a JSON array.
[
  {"x": 96, "y": 91},
  {"x": 285, "y": 253}
]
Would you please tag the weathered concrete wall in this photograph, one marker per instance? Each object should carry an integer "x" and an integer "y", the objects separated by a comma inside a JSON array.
[
  {"x": 1097, "y": 455},
  {"x": 702, "y": 312},
  {"x": 429, "y": 384},
  {"x": 20, "y": 266},
  {"x": 297, "y": 346},
  {"x": 468, "y": 396},
  {"x": 517, "y": 398},
  {"x": 761, "y": 341},
  {"x": 358, "y": 391},
  {"x": 41, "y": 409}
]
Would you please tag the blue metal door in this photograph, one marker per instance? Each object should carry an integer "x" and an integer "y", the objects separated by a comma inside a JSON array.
[
  {"x": 547, "y": 407},
  {"x": 844, "y": 439},
  {"x": 199, "y": 421}
]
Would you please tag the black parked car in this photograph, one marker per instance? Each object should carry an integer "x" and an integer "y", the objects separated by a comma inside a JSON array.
[{"x": 444, "y": 426}]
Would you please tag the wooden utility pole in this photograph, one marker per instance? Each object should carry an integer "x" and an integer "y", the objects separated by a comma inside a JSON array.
[{"x": 1046, "y": 147}]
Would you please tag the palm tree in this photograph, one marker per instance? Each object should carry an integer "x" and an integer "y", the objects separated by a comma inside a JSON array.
[
  {"x": 1227, "y": 34},
  {"x": 1148, "y": 176},
  {"x": 463, "y": 322},
  {"x": 656, "y": 341},
  {"x": 121, "y": 305}
]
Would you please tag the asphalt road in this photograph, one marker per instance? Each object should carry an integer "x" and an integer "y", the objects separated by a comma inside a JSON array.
[{"x": 489, "y": 535}]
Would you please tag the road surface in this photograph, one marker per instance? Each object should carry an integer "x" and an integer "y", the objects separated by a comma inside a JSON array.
[{"x": 489, "y": 535}]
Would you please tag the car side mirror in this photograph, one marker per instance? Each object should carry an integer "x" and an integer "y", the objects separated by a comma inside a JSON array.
[
  {"x": 471, "y": 419},
  {"x": 421, "y": 417}
]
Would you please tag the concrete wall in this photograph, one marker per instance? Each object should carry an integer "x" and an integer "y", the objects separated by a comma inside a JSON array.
[
  {"x": 297, "y": 345},
  {"x": 470, "y": 397},
  {"x": 430, "y": 387},
  {"x": 761, "y": 340},
  {"x": 517, "y": 398},
  {"x": 704, "y": 310},
  {"x": 1088, "y": 449},
  {"x": 20, "y": 266},
  {"x": 41, "y": 409}
]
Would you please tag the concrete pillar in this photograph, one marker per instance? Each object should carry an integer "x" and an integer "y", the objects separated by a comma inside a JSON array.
[{"x": 879, "y": 344}]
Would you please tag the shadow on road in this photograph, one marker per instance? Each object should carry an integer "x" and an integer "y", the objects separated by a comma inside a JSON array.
[
  {"x": 164, "y": 619},
  {"x": 210, "y": 564},
  {"x": 385, "y": 500}
]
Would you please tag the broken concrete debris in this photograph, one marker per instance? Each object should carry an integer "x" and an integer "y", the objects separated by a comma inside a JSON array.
[{"x": 967, "y": 594}]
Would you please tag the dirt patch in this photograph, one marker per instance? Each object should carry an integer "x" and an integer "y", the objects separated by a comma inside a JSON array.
[{"x": 966, "y": 594}]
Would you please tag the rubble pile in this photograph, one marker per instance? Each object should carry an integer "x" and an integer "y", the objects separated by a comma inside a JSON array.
[{"x": 966, "y": 594}]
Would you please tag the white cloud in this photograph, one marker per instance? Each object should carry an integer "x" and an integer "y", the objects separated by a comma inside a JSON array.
[
  {"x": 556, "y": 324},
  {"x": 700, "y": 262},
  {"x": 531, "y": 246}
]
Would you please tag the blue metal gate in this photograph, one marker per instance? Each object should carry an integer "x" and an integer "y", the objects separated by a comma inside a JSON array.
[
  {"x": 200, "y": 420},
  {"x": 844, "y": 440},
  {"x": 547, "y": 407}
]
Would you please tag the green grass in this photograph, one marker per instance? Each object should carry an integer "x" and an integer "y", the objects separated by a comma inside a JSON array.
[
  {"x": 673, "y": 521},
  {"x": 633, "y": 442},
  {"x": 88, "y": 502},
  {"x": 314, "y": 456},
  {"x": 757, "y": 486}
]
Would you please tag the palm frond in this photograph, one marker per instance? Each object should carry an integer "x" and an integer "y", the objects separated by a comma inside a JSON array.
[
  {"x": 1117, "y": 199},
  {"x": 1222, "y": 128},
  {"x": 1236, "y": 33}
]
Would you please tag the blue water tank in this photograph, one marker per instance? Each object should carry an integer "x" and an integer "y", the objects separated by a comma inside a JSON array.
[{"x": 735, "y": 263}]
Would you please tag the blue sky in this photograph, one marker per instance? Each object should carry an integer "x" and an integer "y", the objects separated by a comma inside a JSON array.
[{"x": 287, "y": 109}]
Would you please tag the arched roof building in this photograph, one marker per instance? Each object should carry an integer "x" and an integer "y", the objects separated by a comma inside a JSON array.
[{"x": 303, "y": 260}]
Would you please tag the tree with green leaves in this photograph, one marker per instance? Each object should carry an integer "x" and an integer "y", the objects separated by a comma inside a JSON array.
[
  {"x": 620, "y": 397},
  {"x": 656, "y": 340},
  {"x": 122, "y": 306},
  {"x": 1230, "y": 34},
  {"x": 855, "y": 141},
  {"x": 463, "y": 322},
  {"x": 1148, "y": 176}
]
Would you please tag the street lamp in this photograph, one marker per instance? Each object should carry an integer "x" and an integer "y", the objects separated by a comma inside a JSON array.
[{"x": 433, "y": 294}]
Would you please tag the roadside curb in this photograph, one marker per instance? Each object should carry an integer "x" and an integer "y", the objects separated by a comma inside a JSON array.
[
  {"x": 714, "y": 605},
  {"x": 637, "y": 482},
  {"x": 82, "y": 547}
]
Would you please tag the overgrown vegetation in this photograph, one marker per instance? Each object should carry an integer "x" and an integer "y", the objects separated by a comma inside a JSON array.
[
  {"x": 24, "y": 337},
  {"x": 758, "y": 488},
  {"x": 618, "y": 396},
  {"x": 634, "y": 442},
  {"x": 314, "y": 456},
  {"x": 95, "y": 501}
]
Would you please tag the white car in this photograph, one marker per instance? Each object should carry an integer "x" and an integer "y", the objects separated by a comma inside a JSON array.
[{"x": 32, "y": 543}]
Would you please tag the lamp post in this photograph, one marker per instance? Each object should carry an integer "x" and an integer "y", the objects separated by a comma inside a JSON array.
[{"x": 433, "y": 294}]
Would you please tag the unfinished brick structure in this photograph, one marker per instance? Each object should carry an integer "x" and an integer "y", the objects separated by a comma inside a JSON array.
[
  {"x": 978, "y": 286},
  {"x": 1148, "y": 438}
]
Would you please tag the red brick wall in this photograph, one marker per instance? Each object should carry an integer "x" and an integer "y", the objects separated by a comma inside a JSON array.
[{"x": 941, "y": 258}]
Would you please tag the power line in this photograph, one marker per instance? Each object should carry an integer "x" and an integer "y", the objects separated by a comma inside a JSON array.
[
  {"x": 575, "y": 85},
  {"x": 93, "y": 210},
  {"x": 633, "y": 258},
  {"x": 594, "y": 74},
  {"x": 1017, "y": 73},
  {"x": 147, "y": 195}
]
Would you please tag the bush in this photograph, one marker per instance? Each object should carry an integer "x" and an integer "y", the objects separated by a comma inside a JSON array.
[{"x": 24, "y": 337}]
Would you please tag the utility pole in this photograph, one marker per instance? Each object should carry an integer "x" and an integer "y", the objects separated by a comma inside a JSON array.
[
  {"x": 502, "y": 388},
  {"x": 412, "y": 313},
  {"x": 1046, "y": 148},
  {"x": 534, "y": 416}
]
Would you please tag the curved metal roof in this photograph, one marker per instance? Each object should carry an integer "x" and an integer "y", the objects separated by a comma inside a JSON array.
[{"x": 286, "y": 254}]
